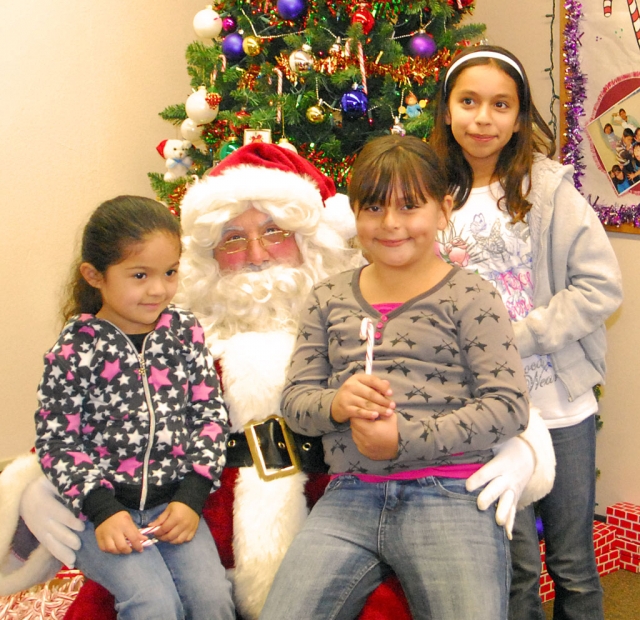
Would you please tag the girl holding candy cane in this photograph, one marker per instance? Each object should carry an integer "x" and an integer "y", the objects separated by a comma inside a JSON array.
[
  {"x": 131, "y": 428},
  {"x": 520, "y": 222},
  {"x": 446, "y": 386}
]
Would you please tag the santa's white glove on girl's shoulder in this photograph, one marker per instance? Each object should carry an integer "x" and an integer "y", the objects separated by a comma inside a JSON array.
[
  {"x": 25, "y": 492},
  {"x": 521, "y": 472}
]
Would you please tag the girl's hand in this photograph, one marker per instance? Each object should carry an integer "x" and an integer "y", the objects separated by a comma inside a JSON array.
[
  {"x": 362, "y": 396},
  {"x": 178, "y": 524},
  {"x": 376, "y": 439},
  {"x": 119, "y": 535}
]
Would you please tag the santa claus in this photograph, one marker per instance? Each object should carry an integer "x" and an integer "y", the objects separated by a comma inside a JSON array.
[{"x": 258, "y": 233}]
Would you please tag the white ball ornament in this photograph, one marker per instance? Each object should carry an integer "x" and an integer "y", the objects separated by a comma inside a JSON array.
[
  {"x": 190, "y": 130},
  {"x": 198, "y": 109},
  {"x": 207, "y": 24}
]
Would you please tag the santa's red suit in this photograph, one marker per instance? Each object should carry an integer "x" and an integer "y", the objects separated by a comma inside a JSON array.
[{"x": 250, "y": 319}]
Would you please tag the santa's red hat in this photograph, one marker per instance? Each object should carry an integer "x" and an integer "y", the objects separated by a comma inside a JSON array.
[
  {"x": 272, "y": 179},
  {"x": 274, "y": 157}
]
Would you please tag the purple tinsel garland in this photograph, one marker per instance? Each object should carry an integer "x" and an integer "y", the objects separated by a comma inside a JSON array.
[{"x": 575, "y": 85}]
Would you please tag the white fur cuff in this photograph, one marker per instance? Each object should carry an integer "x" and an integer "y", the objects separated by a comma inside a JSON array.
[
  {"x": 538, "y": 437},
  {"x": 41, "y": 565}
]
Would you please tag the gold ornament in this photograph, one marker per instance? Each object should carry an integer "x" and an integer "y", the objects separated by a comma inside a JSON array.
[
  {"x": 251, "y": 46},
  {"x": 315, "y": 114}
]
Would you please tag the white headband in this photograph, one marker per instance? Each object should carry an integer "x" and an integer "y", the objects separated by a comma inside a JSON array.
[{"x": 487, "y": 54}]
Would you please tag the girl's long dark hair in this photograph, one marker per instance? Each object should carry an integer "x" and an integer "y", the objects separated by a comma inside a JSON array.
[
  {"x": 516, "y": 158},
  {"x": 111, "y": 229}
]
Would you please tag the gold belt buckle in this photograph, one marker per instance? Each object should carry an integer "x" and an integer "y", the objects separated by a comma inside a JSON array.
[{"x": 258, "y": 457}]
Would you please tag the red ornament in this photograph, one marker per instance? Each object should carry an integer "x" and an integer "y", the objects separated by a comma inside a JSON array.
[
  {"x": 362, "y": 15},
  {"x": 213, "y": 99},
  {"x": 460, "y": 4}
]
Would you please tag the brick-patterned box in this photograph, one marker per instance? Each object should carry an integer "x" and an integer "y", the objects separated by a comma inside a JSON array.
[
  {"x": 547, "y": 590},
  {"x": 625, "y": 517}
]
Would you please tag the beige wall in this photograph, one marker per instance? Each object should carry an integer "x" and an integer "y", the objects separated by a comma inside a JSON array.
[{"x": 80, "y": 89}]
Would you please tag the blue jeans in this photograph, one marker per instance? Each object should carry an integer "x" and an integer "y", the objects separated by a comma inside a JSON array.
[
  {"x": 165, "y": 581},
  {"x": 451, "y": 559},
  {"x": 567, "y": 517}
]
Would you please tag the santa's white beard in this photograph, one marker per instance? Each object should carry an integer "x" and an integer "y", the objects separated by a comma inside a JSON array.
[{"x": 261, "y": 301}]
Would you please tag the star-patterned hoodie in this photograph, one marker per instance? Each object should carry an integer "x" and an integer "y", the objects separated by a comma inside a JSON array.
[{"x": 132, "y": 429}]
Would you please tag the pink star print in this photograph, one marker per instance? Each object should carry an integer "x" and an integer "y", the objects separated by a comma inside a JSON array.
[
  {"x": 66, "y": 350},
  {"x": 46, "y": 461},
  {"x": 50, "y": 357},
  {"x": 102, "y": 451},
  {"x": 177, "y": 451},
  {"x": 202, "y": 470},
  {"x": 129, "y": 466},
  {"x": 80, "y": 457},
  {"x": 111, "y": 369},
  {"x": 159, "y": 377},
  {"x": 197, "y": 334},
  {"x": 73, "y": 491},
  {"x": 44, "y": 413},
  {"x": 164, "y": 321},
  {"x": 87, "y": 330},
  {"x": 201, "y": 391},
  {"x": 74, "y": 423},
  {"x": 211, "y": 430}
]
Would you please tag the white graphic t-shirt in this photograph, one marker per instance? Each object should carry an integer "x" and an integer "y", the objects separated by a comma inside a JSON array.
[{"x": 480, "y": 237}]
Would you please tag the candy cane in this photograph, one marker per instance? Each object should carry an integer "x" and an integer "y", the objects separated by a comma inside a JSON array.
[
  {"x": 607, "y": 8},
  {"x": 635, "y": 18},
  {"x": 366, "y": 331},
  {"x": 278, "y": 72},
  {"x": 363, "y": 71}
]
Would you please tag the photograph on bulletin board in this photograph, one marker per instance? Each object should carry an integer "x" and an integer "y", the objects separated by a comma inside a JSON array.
[{"x": 602, "y": 40}]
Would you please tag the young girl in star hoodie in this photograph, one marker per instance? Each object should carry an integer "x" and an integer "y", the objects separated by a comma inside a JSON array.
[{"x": 131, "y": 428}]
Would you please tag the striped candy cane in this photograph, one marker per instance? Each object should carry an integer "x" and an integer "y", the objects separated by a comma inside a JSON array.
[
  {"x": 633, "y": 12},
  {"x": 635, "y": 18},
  {"x": 366, "y": 331}
]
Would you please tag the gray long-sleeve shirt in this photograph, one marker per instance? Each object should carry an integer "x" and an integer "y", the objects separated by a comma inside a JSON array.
[{"x": 449, "y": 355}]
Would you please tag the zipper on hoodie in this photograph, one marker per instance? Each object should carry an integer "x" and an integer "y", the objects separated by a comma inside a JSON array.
[{"x": 152, "y": 424}]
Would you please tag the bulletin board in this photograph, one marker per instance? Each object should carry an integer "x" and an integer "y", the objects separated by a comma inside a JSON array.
[{"x": 600, "y": 106}]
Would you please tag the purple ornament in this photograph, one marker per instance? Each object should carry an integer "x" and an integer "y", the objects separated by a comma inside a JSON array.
[
  {"x": 291, "y": 9},
  {"x": 229, "y": 24},
  {"x": 232, "y": 47},
  {"x": 354, "y": 104},
  {"x": 422, "y": 45}
]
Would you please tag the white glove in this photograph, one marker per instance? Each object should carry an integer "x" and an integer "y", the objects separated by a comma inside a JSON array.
[
  {"x": 50, "y": 522},
  {"x": 506, "y": 476},
  {"x": 521, "y": 472}
]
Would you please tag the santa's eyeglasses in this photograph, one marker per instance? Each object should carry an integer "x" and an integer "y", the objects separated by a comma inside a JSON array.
[{"x": 240, "y": 244}]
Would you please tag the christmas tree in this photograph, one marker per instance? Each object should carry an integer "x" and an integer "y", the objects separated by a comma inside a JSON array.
[{"x": 319, "y": 76}]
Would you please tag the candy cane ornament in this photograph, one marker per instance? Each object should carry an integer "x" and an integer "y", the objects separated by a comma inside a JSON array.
[
  {"x": 366, "y": 332},
  {"x": 633, "y": 12}
]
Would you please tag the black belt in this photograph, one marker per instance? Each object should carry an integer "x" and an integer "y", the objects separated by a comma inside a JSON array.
[{"x": 272, "y": 446}]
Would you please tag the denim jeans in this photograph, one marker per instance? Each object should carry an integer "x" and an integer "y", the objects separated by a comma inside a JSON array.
[
  {"x": 165, "y": 581},
  {"x": 451, "y": 559},
  {"x": 567, "y": 517}
]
